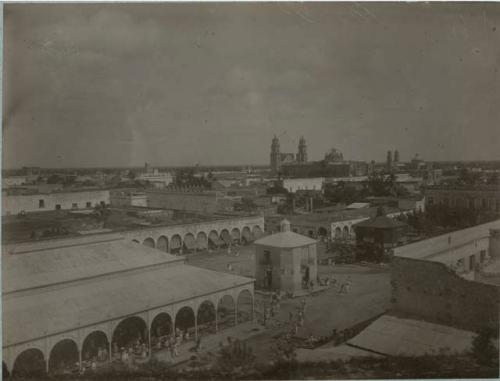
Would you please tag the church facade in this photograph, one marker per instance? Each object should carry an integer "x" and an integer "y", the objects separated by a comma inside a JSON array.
[
  {"x": 290, "y": 165},
  {"x": 278, "y": 158}
]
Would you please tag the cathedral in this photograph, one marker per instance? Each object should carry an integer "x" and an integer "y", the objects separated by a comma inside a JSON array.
[{"x": 279, "y": 158}]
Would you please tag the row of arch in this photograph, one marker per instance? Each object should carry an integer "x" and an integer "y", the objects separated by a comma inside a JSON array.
[
  {"x": 65, "y": 354},
  {"x": 203, "y": 241}
]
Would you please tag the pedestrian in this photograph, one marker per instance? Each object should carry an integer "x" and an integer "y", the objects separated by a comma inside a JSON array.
[{"x": 290, "y": 316}]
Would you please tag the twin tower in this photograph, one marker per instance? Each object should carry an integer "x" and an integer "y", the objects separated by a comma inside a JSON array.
[{"x": 279, "y": 158}]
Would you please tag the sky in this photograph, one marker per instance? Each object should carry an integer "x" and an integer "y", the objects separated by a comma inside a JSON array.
[{"x": 96, "y": 85}]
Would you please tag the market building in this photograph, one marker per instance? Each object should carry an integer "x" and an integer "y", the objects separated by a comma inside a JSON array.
[{"x": 68, "y": 300}]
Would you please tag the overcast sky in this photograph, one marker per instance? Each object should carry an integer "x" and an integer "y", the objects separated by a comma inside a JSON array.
[{"x": 180, "y": 84}]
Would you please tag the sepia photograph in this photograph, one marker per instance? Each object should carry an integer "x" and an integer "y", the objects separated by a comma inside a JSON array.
[{"x": 250, "y": 190}]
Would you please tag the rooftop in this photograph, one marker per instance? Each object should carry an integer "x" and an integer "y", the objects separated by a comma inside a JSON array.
[
  {"x": 286, "y": 239},
  {"x": 438, "y": 248},
  {"x": 86, "y": 302},
  {"x": 68, "y": 223},
  {"x": 41, "y": 264},
  {"x": 394, "y": 336},
  {"x": 380, "y": 222}
]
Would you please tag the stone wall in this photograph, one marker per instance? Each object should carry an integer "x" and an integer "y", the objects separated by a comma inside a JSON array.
[{"x": 432, "y": 291}]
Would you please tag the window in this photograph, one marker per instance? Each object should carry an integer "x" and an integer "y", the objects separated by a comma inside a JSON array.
[
  {"x": 74, "y": 205},
  {"x": 267, "y": 257},
  {"x": 482, "y": 255},
  {"x": 41, "y": 204},
  {"x": 430, "y": 201},
  {"x": 88, "y": 204},
  {"x": 58, "y": 206},
  {"x": 472, "y": 263},
  {"x": 483, "y": 203}
]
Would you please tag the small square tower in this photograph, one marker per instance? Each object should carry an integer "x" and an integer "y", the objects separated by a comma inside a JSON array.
[{"x": 283, "y": 261}]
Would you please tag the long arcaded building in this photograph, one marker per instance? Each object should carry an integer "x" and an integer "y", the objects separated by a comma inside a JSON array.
[{"x": 67, "y": 300}]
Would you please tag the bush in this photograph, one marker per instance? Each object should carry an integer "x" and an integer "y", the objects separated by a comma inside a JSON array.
[{"x": 483, "y": 349}]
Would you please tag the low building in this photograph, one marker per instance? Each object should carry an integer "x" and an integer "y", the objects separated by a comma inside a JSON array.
[
  {"x": 68, "y": 300},
  {"x": 303, "y": 184},
  {"x": 27, "y": 203},
  {"x": 123, "y": 198},
  {"x": 381, "y": 231},
  {"x": 442, "y": 279},
  {"x": 284, "y": 261},
  {"x": 332, "y": 224},
  {"x": 480, "y": 197}
]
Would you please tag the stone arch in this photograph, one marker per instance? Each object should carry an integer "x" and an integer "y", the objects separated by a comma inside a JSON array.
[
  {"x": 246, "y": 235},
  {"x": 345, "y": 232},
  {"x": 176, "y": 244},
  {"x": 245, "y": 306},
  {"x": 213, "y": 240},
  {"x": 226, "y": 237},
  {"x": 5, "y": 371},
  {"x": 257, "y": 232},
  {"x": 64, "y": 357},
  {"x": 162, "y": 244},
  {"x": 338, "y": 233},
  {"x": 236, "y": 235},
  {"x": 149, "y": 242},
  {"x": 29, "y": 363},
  {"x": 226, "y": 309},
  {"x": 189, "y": 243},
  {"x": 95, "y": 345},
  {"x": 161, "y": 328},
  {"x": 129, "y": 332},
  {"x": 205, "y": 318},
  {"x": 185, "y": 322},
  {"x": 201, "y": 241}
]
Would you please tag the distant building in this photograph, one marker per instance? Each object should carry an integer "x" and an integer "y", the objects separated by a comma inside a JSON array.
[
  {"x": 279, "y": 158},
  {"x": 381, "y": 231},
  {"x": 389, "y": 160},
  {"x": 285, "y": 260},
  {"x": 155, "y": 177},
  {"x": 396, "y": 156},
  {"x": 309, "y": 184},
  {"x": 128, "y": 198},
  {"x": 477, "y": 197},
  {"x": 27, "y": 203}
]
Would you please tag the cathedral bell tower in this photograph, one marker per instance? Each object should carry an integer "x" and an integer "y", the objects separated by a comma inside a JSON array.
[
  {"x": 275, "y": 155},
  {"x": 302, "y": 154}
]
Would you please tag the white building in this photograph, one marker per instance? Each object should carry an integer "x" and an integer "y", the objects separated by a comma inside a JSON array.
[
  {"x": 305, "y": 184},
  {"x": 16, "y": 204}
]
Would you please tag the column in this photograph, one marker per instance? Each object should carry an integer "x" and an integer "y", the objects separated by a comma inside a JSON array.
[
  {"x": 236, "y": 312},
  {"x": 216, "y": 321},
  {"x": 80, "y": 359},
  {"x": 195, "y": 325}
]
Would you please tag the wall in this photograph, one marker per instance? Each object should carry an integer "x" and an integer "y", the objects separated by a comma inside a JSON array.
[
  {"x": 465, "y": 197},
  {"x": 127, "y": 199},
  {"x": 15, "y": 204},
  {"x": 293, "y": 185},
  {"x": 435, "y": 293},
  {"x": 204, "y": 202}
]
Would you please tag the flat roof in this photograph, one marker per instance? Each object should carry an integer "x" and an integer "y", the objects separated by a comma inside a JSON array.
[
  {"x": 439, "y": 247},
  {"x": 393, "y": 336},
  {"x": 41, "y": 264},
  {"x": 34, "y": 315},
  {"x": 286, "y": 239}
]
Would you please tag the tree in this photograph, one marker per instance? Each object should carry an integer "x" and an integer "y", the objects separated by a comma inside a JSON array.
[
  {"x": 483, "y": 349},
  {"x": 235, "y": 357}
]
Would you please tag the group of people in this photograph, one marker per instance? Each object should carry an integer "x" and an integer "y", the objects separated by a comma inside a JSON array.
[
  {"x": 90, "y": 362},
  {"x": 274, "y": 307},
  {"x": 128, "y": 354}
]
